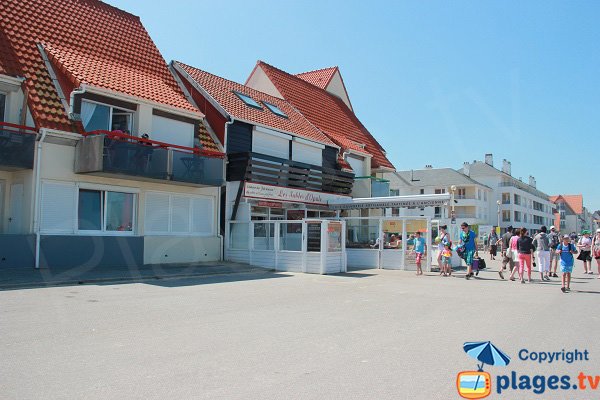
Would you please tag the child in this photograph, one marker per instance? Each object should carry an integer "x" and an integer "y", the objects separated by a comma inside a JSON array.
[
  {"x": 566, "y": 250},
  {"x": 446, "y": 257},
  {"x": 419, "y": 250}
]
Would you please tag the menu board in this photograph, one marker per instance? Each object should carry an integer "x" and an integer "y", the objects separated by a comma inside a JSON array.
[{"x": 313, "y": 236}]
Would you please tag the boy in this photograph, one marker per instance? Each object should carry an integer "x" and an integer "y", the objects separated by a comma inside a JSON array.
[
  {"x": 566, "y": 250},
  {"x": 419, "y": 249}
]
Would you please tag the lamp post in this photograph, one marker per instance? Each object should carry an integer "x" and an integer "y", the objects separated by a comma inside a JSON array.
[
  {"x": 453, "y": 234},
  {"x": 498, "y": 203}
]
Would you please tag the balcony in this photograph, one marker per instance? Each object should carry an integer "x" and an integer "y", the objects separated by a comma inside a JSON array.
[
  {"x": 261, "y": 168},
  {"x": 368, "y": 186},
  {"x": 129, "y": 157},
  {"x": 17, "y": 147}
]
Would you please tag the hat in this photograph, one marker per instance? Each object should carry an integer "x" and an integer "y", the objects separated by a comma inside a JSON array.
[
  {"x": 566, "y": 237},
  {"x": 585, "y": 232},
  {"x": 598, "y": 230},
  {"x": 552, "y": 227}
]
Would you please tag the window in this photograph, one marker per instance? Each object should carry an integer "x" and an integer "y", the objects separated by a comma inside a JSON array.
[
  {"x": 249, "y": 101},
  {"x": 517, "y": 216},
  {"x": 96, "y": 116},
  {"x": 517, "y": 199},
  {"x": 437, "y": 213},
  {"x": 394, "y": 192},
  {"x": 563, "y": 224},
  {"x": 168, "y": 214},
  {"x": 2, "y": 106},
  {"x": 105, "y": 211},
  {"x": 505, "y": 216},
  {"x": 275, "y": 110},
  {"x": 462, "y": 193},
  {"x": 440, "y": 191},
  {"x": 505, "y": 198},
  {"x": 422, "y": 191}
]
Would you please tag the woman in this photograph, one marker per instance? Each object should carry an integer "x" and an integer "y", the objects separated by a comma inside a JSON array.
[
  {"x": 514, "y": 253},
  {"x": 585, "y": 250},
  {"x": 596, "y": 249},
  {"x": 443, "y": 239},
  {"x": 525, "y": 249},
  {"x": 493, "y": 244}
]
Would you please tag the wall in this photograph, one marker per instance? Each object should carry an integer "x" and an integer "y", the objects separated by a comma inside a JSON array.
[
  {"x": 180, "y": 249},
  {"x": 336, "y": 87},
  {"x": 17, "y": 251}
]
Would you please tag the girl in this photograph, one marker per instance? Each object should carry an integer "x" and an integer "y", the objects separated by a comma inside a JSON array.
[
  {"x": 525, "y": 248},
  {"x": 585, "y": 250},
  {"x": 443, "y": 239},
  {"x": 514, "y": 254},
  {"x": 446, "y": 258},
  {"x": 565, "y": 250}
]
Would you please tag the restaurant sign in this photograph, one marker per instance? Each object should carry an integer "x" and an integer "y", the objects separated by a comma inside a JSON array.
[{"x": 268, "y": 192}]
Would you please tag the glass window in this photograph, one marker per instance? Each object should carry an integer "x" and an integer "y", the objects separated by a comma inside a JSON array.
[
  {"x": 119, "y": 211},
  {"x": 121, "y": 121},
  {"x": 276, "y": 110},
  {"x": 94, "y": 116},
  {"x": 90, "y": 210},
  {"x": 334, "y": 236},
  {"x": 2, "y": 106},
  {"x": 249, "y": 101}
]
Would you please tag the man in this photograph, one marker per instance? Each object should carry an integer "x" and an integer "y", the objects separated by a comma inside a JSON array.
[
  {"x": 554, "y": 239},
  {"x": 541, "y": 243},
  {"x": 505, "y": 240},
  {"x": 468, "y": 238},
  {"x": 419, "y": 249}
]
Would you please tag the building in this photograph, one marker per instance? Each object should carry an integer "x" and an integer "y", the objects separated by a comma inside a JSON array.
[
  {"x": 118, "y": 167},
  {"x": 472, "y": 200},
  {"x": 519, "y": 204},
  {"x": 571, "y": 215}
]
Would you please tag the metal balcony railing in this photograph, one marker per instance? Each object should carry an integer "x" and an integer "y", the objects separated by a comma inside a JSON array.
[
  {"x": 17, "y": 146},
  {"x": 133, "y": 157}
]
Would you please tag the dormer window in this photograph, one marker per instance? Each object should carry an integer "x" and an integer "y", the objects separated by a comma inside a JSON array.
[
  {"x": 249, "y": 101},
  {"x": 275, "y": 110},
  {"x": 97, "y": 116}
]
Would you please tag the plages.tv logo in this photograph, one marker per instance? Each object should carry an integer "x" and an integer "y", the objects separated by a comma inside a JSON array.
[{"x": 478, "y": 384}]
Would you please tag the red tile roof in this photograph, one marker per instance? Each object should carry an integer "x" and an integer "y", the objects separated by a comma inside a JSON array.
[
  {"x": 575, "y": 201},
  {"x": 221, "y": 90},
  {"x": 89, "y": 42},
  {"x": 326, "y": 111},
  {"x": 320, "y": 77}
]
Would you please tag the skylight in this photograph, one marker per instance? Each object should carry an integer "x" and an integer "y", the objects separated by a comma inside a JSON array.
[
  {"x": 276, "y": 110},
  {"x": 248, "y": 100}
]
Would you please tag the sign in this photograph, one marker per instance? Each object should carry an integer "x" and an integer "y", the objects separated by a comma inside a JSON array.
[
  {"x": 420, "y": 201},
  {"x": 268, "y": 192},
  {"x": 271, "y": 204}
]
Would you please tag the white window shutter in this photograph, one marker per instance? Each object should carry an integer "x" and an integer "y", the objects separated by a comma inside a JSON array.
[
  {"x": 156, "y": 215},
  {"x": 307, "y": 154},
  {"x": 180, "y": 217},
  {"x": 271, "y": 145},
  {"x": 58, "y": 207},
  {"x": 202, "y": 215}
]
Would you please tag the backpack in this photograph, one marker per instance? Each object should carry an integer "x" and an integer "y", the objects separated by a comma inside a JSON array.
[
  {"x": 554, "y": 242},
  {"x": 544, "y": 241}
]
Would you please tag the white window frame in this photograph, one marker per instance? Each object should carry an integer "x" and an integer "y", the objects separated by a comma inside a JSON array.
[
  {"x": 111, "y": 109},
  {"x": 191, "y": 215},
  {"x": 103, "y": 231}
]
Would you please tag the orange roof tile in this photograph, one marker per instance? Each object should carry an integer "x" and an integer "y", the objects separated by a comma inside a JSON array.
[
  {"x": 221, "y": 90},
  {"x": 326, "y": 111},
  {"x": 320, "y": 77},
  {"x": 90, "y": 42}
]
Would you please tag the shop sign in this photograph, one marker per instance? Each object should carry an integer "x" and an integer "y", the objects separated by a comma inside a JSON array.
[
  {"x": 270, "y": 204},
  {"x": 268, "y": 192}
]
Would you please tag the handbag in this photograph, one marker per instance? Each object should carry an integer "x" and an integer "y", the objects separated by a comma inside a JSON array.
[{"x": 481, "y": 263}]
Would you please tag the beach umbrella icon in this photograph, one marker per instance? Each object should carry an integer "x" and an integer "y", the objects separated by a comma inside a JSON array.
[{"x": 487, "y": 353}]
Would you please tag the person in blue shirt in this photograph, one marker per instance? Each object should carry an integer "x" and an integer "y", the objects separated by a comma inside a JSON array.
[
  {"x": 565, "y": 251},
  {"x": 419, "y": 250},
  {"x": 468, "y": 238}
]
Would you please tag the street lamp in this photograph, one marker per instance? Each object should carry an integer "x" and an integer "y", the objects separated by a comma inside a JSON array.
[
  {"x": 498, "y": 203},
  {"x": 452, "y": 202}
]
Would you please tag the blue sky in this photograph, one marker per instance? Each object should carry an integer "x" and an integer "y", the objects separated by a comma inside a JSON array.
[{"x": 436, "y": 82}]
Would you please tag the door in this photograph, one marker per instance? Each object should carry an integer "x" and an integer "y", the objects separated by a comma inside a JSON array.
[
  {"x": 2, "y": 183},
  {"x": 16, "y": 208}
]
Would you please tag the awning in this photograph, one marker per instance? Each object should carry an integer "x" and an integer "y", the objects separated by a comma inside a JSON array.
[{"x": 422, "y": 200}]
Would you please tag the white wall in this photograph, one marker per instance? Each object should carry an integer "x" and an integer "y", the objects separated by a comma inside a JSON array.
[{"x": 336, "y": 87}]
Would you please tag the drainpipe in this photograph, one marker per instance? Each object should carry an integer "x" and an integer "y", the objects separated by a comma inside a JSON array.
[
  {"x": 227, "y": 124},
  {"x": 81, "y": 90},
  {"x": 37, "y": 196}
]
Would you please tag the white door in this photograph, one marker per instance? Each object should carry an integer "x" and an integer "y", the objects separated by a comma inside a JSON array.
[{"x": 16, "y": 208}]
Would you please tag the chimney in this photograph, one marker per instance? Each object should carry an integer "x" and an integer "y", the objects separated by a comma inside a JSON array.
[
  {"x": 532, "y": 182},
  {"x": 429, "y": 166},
  {"x": 467, "y": 168},
  {"x": 506, "y": 166},
  {"x": 489, "y": 159}
]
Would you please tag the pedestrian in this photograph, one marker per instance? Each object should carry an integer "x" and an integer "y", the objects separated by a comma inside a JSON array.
[
  {"x": 442, "y": 239},
  {"x": 506, "y": 259},
  {"x": 525, "y": 249},
  {"x": 493, "y": 243},
  {"x": 596, "y": 249},
  {"x": 419, "y": 249},
  {"x": 468, "y": 239},
  {"x": 554, "y": 238},
  {"x": 514, "y": 252},
  {"x": 541, "y": 244},
  {"x": 584, "y": 245},
  {"x": 446, "y": 259},
  {"x": 566, "y": 250}
]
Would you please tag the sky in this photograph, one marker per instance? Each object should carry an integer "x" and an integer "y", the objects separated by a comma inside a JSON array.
[{"x": 435, "y": 82}]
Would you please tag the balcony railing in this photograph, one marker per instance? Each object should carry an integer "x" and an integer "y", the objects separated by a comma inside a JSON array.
[
  {"x": 132, "y": 157},
  {"x": 261, "y": 168},
  {"x": 17, "y": 146},
  {"x": 369, "y": 186}
]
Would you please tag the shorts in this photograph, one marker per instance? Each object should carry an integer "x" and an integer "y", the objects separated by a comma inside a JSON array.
[
  {"x": 585, "y": 255},
  {"x": 566, "y": 269},
  {"x": 418, "y": 258},
  {"x": 469, "y": 256},
  {"x": 446, "y": 260}
]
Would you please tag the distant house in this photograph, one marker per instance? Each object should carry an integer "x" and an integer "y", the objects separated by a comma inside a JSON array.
[
  {"x": 571, "y": 215},
  {"x": 116, "y": 166}
]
